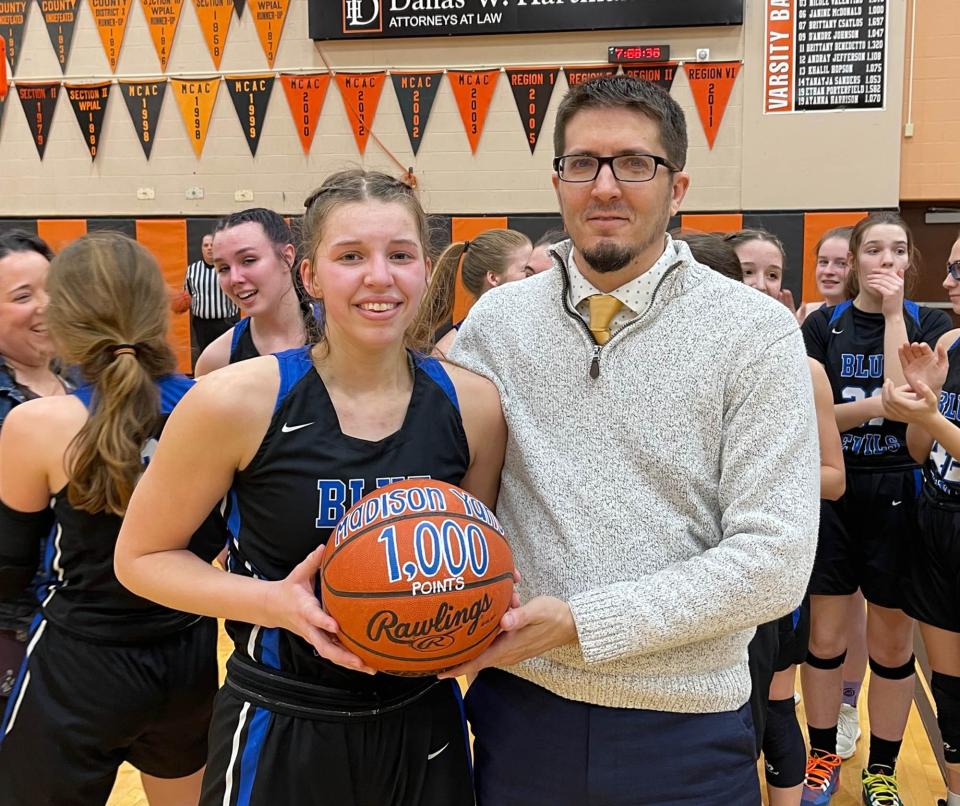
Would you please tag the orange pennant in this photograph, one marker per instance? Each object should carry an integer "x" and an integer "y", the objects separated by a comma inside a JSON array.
[
  {"x": 214, "y": 17},
  {"x": 711, "y": 84},
  {"x": 3, "y": 68},
  {"x": 473, "y": 90},
  {"x": 269, "y": 16},
  {"x": 305, "y": 94},
  {"x": 361, "y": 94},
  {"x": 196, "y": 98},
  {"x": 162, "y": 18},
  {"x": 111, "y": 18}
]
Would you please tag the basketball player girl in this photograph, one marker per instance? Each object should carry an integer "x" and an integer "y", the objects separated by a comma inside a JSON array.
[
  {"x": 763, "y": 260},
  {"x": 866, "y": 534},
  {"x": 929, "y": 403},
  {"x": 491, "y": 259},
  {"x": 831, "y": 270},
  {"x": 253, "y": 255},
  {"x": 295, "y": 439},
  {"x": 108, "y": 677}
]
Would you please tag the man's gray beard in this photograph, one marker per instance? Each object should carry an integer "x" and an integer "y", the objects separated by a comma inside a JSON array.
[{"x": 608, "y": 257}]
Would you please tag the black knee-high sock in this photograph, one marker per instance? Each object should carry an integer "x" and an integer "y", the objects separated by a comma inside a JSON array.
[
  {"x": 883, "y": 752},
  {"x": 822, "y": 740}
]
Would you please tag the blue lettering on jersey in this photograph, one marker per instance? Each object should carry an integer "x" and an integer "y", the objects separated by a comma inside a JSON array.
[
  {"x": 858, "y": 365},
  {"x": 333, "y": 497},
  {"x": 870, "y": 444},
  {"x": 950, "y": 405}
]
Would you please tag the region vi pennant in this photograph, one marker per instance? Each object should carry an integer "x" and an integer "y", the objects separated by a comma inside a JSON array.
[
  {"x": 532, "y": 88},
  {"x": 473, "y": 91},
  {"x": 416, "y": 93},
  {"x": 13, "y": 17},
  {"x": 144, "y": 100},
  {"x": 361, "y": 95},
  {"x": 89, "y": 102},
  {"x": 196, "y": 98},
  {"x": 60, "y": 17},
  {"x": 111, "y": 18},
  {"x": 305, "y": 94},
  {"x": 268, "y": 17},
  {"x": 163, "y": 16},
  {"x": 214, "y": 17},
  {"x": 39, "y": 103},
  {"x": 578, "y": 75},
  {"x": 250, "y": 95},
  {"x": 711, "y": 84}
]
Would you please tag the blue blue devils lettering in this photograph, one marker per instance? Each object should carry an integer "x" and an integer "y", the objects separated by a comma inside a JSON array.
[
  {"x": 858, "y": 365},
  {"x": 950, "y": 405},
  {"x": 870, "y": 444},
  {"x": 333, "y": 497}
]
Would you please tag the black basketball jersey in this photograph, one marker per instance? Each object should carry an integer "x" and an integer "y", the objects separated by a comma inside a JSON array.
[
  {"x": 306, "y": 474},
  {"x": 82, "y": 593},
  {"x": 241, "y": 344},
  {"x": 849, "y": 344},
  {"x": 941, "y": 471}
]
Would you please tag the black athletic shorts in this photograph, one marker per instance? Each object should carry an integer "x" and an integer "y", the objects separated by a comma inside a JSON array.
[
  {"x": 794, "y": 636},
  {"x": 79, "y": 709},
  {"x": 416, "y": 754},
  {"x": 762, "y": 653},
  {"x": 867, "y": 536},
  {"x": 932, "y": 589}
]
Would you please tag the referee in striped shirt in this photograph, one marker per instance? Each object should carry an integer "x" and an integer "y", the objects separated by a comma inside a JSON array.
[{"x": 211, "y": 311}]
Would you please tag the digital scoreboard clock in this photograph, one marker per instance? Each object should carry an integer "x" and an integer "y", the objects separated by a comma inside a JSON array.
[{"x": 617, "y": 54}]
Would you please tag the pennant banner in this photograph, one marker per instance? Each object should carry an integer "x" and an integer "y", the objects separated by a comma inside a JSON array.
[
  {"x": 577, "y": 75},
  {"x": 13, "y": 16},
  {"x": 532, "y": 88},
  {"x": 163, "y": 16},
  {"x": 473, "y": 91},
  {"x": 39, "y": 102},
  {"x": 196, "y": 99},
  {"x": 89, "y": 102},
  {"x": 361, "y": 94},
  {"x": 61, "y": 19},
  {"x": 144, "y": 100},
  {"x": 111, "y": 18},
  {"x": 711, "y": 85},
  {"x": 269, "y": 16},
  {"x": 305, "y": 94},
  {"x": 416, "y": 93},
  {"x": 238, "y": 6},
  {"x": 214, "y": 17},
  {"x": 660, "y": 74},
  {"x": 251, "y": 94}
]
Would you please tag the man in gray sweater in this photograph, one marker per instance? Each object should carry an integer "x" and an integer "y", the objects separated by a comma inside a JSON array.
[{"x": 660, "y": 490}]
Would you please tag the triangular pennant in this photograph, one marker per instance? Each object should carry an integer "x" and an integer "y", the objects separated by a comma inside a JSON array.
[
  {"x": 39, "y": 102},
  {"x": 661, "y": 74},
  {"x": 111, "y": 18},
  {"x": 251, "y": 94},
  {"x": 305, "y": 94},
  {"x": 361, "y": 94},
  {"x": 532, "y": 88},
  {"x": 196, "y": 98},
  {"x": 473, "y": 91},
  {"x": 13, "y": 17},
  {"x": 416, "y": 93},
  {"x": 214, "y": 17},
  {"x": 238, "y": 5},
  {"x": 711, "y": 84},
  {"x": 89, "y": 102},
  {"x": 578, "y": 75},
  {"x": 163, "y": 16},
  {"x": 61, "y": 19},
  {"x": 144, "y": 100},
  {"x": 269, "y": 16}
]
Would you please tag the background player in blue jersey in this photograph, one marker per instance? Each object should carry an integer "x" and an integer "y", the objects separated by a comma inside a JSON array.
[
  {"x": 109, "y": 677},
  {"x": 253, "y": 255},
  {"x": 865, "y": 535},
  {"x": 295, "y": 439},
  {"x": 929, "y": 403}
]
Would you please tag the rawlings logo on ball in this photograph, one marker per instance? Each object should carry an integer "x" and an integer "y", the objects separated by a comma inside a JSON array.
[{"x": 446, "y": 622}]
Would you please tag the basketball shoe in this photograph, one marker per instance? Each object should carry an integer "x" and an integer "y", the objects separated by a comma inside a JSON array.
[
  {"x": 880, "y": 786},
  {"x": 822, "y": 779},
  {"x": 848, "y": 731}
]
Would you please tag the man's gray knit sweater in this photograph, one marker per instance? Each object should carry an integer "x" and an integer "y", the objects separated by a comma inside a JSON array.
[{"x": 672, "y": 500}]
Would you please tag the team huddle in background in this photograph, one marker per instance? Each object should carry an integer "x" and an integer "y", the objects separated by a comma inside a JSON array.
[{"x": 704, "y": 488}]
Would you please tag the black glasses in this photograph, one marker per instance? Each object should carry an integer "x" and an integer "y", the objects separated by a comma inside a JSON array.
[
  {"x": 625, "y": 167},
  {"x": 953, "y": 269}
]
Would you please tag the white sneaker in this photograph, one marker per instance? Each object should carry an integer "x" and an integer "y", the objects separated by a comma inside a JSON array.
[{"x": 848, "y": 731}]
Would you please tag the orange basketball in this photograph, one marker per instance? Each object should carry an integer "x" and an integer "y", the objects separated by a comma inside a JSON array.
[
  {"x": 179, "y": 301},
  {"x": 417, "y": 575}
]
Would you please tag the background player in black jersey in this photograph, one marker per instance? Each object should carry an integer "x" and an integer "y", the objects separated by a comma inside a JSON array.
[
  {"x": 929, "y": 403},
  {"x": 296, "y": 439},
  {"x": 763, "y": 261},
  {"x": 253, "y": 255},
  {"x": 109, "y": 677},
  {"x": 865, "y": 535}
]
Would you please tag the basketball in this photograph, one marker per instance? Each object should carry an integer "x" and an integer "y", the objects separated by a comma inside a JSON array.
[
  {"x": 179, "y": 301},
  {"x": 417, "y": 575}
]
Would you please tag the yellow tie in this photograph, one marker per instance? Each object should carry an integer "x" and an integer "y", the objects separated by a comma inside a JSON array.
[{"x": 603, "y": 308}]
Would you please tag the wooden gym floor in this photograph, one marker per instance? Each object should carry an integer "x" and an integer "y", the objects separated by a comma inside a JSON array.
[{"x": 921, "y": 781}]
